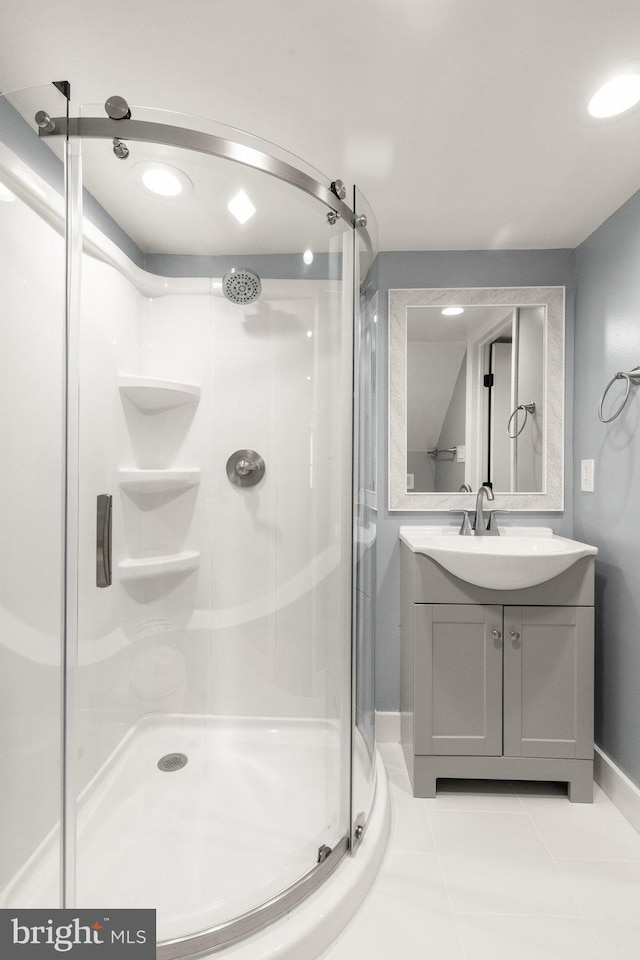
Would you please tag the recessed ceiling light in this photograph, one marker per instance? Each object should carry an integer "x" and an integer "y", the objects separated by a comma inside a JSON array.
[
  {"x": 307, "y": 256},
  {"x": 452, "y": 311},
  {"x": 616, "y": 96},
  {"x": 241, "y": 207},
  {"x": 5, "y": 195},
  {"x": 163, "y": 180}
]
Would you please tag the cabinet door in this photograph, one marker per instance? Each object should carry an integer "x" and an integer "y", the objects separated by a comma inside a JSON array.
[
  {"x": 458, "y": 679},
  {"x": 548, "y": 682}
]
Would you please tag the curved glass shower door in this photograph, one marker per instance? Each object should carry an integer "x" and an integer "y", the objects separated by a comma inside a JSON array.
[{"x": 213, "y": 672}]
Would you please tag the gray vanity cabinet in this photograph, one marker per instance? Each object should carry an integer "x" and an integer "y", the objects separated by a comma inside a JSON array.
[
  {"x": 458, "y": 679},
  {"x": 497, "y": 684}
]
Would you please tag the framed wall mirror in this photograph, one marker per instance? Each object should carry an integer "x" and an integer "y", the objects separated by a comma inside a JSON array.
[{"x": 476, "y": 395}]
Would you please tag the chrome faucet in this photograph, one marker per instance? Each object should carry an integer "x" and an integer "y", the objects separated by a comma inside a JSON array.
[{"x": 480, "y": 527}]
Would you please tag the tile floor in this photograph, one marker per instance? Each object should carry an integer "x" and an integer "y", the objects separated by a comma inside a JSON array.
[{"x": 506, "y": 871}]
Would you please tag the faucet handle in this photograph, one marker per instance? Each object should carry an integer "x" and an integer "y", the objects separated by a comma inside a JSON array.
[
  {"x": 466, "y": 529},
  {"x": 492, "y": 524}
]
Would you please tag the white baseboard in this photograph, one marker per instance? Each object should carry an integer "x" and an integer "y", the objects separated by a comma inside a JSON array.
[
  {"x": 620, "y": 790},
  {"x": 387, "y": 726}
]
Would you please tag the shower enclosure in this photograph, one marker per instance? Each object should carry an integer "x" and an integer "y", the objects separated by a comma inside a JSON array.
[{"x": 188, "y": 518}]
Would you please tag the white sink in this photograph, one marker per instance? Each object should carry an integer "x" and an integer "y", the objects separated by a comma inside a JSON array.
[{"x": 520, "y": 557}]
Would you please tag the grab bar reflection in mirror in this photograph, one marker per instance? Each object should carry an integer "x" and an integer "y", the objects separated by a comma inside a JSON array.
[{"x": 529, "y": 408}]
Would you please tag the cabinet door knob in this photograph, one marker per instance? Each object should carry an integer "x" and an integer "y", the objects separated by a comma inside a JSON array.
[
  {"x": 514, "y": 635},
  {"x": 496, "y": 634}
]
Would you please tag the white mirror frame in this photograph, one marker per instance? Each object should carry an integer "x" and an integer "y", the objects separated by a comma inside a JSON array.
[{"x": 552, "y": 299}]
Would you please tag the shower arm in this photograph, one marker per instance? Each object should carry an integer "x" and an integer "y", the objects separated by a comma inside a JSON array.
[{"x": 104, "y": 128}]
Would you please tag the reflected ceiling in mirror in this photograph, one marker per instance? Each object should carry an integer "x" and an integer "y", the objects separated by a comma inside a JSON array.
[{"x": 476, "y": 396}]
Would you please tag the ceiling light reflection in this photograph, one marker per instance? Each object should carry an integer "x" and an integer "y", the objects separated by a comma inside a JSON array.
[
  {"x": 241, "y": 207},
  {"x": 163, "y": 180}
]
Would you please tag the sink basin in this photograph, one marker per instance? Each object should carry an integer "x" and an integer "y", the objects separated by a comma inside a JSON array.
[{"x": 520, "y": 557}]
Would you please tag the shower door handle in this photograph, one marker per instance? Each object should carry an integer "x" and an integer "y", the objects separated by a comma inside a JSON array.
[{"x": 103, "y": 540}]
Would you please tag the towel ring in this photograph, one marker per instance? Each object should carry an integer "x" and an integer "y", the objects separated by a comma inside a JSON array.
[
  {"x": 633, "y": 376},
  {"x": 528, "y": 408}
]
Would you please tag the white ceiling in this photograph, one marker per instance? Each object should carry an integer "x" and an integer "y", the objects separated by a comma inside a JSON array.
[
  {"x": 462, "y": 121},
  {"x": 427, "y": 324}
]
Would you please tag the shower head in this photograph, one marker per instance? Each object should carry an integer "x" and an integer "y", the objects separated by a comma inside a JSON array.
[{"x": 241, "y": 285}]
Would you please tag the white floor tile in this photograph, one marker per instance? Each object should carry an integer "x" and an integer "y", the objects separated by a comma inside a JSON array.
[
  {"x": 494, "y": 889},
  {"x": 608, "y": 894},
  {"x": 528, "y": 938},
  {"x": 410, "y": 827},
  {"x": 477, "y": 835},
  {"x": 583, "y": 831},
  {"x": 407, "y": 916},
  {"x": 507, "y": 886}
]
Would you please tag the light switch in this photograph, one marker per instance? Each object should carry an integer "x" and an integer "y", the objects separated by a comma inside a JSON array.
[
  {"x": 586, "y": 476},
  {"x": 461, "y": 454}
]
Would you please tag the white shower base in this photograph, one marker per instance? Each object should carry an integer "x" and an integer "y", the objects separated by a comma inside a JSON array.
[{"x": 241, "y": 822}]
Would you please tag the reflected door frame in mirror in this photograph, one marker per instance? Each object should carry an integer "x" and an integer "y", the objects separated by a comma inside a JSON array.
[{"x": 552, "y": 299}]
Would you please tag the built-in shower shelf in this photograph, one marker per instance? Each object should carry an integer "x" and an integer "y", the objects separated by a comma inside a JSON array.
[
  {"x": 158, "y": 481},
  {"x": 154, "y": 396},
  {"x": 144, "y": 567}
]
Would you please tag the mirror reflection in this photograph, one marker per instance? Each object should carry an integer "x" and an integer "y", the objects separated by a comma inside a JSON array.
[{"x": 475, "y": 398}]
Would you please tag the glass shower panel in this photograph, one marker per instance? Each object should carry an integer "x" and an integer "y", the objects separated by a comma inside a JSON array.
[
  {"x": 365, "y": 520},
  {"x": 213, "y": 673},
  {"x": 32, "y": 352}
]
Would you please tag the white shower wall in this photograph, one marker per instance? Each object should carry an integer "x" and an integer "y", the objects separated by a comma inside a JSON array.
[{"x": 260, "y": 628}]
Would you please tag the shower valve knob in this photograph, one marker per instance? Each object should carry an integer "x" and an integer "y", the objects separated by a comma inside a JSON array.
[{"x": 245, "y": 468}]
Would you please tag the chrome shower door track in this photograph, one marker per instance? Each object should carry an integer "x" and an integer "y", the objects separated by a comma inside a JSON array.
[
  {"x": 224, "y": 934},
  {"x": 103, "y": 128}
]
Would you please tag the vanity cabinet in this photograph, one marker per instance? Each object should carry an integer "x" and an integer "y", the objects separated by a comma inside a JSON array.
[{"x": 497, "y": 684}]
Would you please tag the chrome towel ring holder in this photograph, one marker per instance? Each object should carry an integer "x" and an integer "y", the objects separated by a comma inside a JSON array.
[
  {"x": 633, "y": 376},
  {"x": 529, "y": 408}
]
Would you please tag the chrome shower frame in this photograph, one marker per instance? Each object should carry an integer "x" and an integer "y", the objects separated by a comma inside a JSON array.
[
  {"x": 119, "y": 132},
  {"x": 104, "y": 128}
]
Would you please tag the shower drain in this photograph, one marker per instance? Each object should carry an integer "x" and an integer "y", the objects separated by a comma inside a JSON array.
[{"x": 172, "y": 761}]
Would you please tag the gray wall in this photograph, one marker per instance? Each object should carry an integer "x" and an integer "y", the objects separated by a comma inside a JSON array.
[
  {"x": 486, "y": 268},
  {"x": 608, "y": 340}
]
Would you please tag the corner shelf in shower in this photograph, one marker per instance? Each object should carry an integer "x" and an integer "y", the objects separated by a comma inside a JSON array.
[
  {"x": 154, "y": 396},
  {"x": 144, "y": 567},
  {"x": 158, "y": 481}
]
